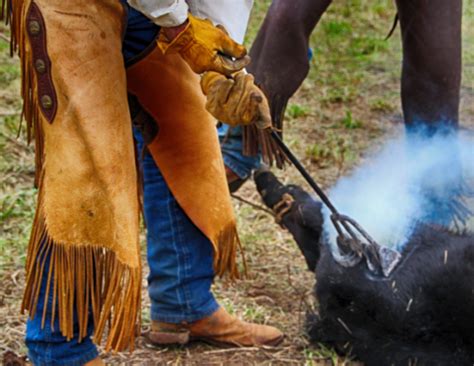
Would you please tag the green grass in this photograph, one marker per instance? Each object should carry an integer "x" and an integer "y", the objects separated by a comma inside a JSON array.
[
  {"x": 337, "y": 28},
  {"x": 350, "y": 122},
  {"x": 17, "y": 195},
  {"x": 353, "y": 81},
  {"x": 16, "y": 217},
  {"x": 381, "y": 105},
  {"x": 297, "y": 111},
  {"x": 258, "y": 14},
  {"x": 8, "y": 73},
  {"x": 332, "y": 150}
]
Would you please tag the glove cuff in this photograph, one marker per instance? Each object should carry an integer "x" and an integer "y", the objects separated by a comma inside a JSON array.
[{"x": 180, "y": 42}]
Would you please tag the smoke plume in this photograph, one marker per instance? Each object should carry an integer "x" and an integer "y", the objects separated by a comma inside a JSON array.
[{"x": 413, "y": 179}]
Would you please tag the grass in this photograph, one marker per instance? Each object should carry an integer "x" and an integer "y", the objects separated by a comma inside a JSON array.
[
  {"x": 344, "y": 108},
  {"x": 381, "y": 105},
  {"x": 17, "y": 195},
  {"x": 350, "y": 122},
  {"x": 332, "y": 151},
  {"x": 296, "y": 111}
]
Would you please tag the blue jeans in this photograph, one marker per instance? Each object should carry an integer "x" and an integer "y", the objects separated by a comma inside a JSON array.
[
  {"x": 231, "y": 147},
  {"x": 46, "y": 346},
  {"x": 179, "y": 255}
]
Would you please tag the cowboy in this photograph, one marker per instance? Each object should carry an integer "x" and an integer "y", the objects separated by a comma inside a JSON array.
[{"x": 88, "y": 69}]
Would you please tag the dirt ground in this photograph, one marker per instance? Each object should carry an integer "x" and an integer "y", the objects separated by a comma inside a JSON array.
[{"x": 345, "y": 110}]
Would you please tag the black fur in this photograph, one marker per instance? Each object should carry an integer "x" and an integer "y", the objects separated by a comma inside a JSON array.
[
  {"x": 423, "y": 314},
  {"x": 303, "y": 221}
]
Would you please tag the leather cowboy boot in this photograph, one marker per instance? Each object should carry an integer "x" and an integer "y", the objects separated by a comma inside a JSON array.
[
  {"x": 95, "y": 362},
  {"x": 220, "y": 328}
]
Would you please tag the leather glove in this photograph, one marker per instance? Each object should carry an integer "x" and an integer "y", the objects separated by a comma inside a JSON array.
[
  {"x": 237, "y": 100},
  {"x": 206, "y": 47}
]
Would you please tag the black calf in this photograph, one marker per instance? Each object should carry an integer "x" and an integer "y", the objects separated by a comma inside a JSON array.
[
  {"x": 303, "y": 219},
  {"x": 423, "y": 314}
]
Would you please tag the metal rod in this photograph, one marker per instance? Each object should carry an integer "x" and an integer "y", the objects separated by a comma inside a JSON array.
[
  {"x": 337, "y": 217},
  {"x": 376, "y": 256},
  {"x": 303, "y": 172}
]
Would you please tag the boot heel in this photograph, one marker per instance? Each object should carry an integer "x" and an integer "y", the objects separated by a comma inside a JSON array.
[{"x": 168, "y": 338}]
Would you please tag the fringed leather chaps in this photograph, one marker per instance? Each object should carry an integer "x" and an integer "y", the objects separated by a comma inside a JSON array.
[
  {"x": 87, "y": 218},
  {"x": 187, "y": 150}
]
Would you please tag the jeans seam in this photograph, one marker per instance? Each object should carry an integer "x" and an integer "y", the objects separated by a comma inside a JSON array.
[
  {"x": 174, "y": 234},
  {"x": 187, "y": 267}
]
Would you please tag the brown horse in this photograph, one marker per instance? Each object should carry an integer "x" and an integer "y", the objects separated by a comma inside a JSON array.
[{"x": 431, "y": 71}]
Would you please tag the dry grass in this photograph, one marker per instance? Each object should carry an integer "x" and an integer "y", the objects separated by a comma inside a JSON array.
[{"x": 347, "y": 107}]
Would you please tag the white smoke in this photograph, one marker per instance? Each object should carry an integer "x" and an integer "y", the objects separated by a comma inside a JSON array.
[{"x": 411, "y": 180}]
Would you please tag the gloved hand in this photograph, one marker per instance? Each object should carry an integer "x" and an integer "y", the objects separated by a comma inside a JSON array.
[
  {"x": 237, "y": 100},
  {"x": 205, "y": 47}
]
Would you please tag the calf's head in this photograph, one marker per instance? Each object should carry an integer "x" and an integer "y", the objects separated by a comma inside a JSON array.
[{"x": 296, "y": 211}]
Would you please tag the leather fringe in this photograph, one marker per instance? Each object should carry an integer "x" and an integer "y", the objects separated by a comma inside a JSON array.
[
  {"x": 257, "y": 141},
  {"x": 84, "y": 281},
  {"x": 15, "y": 14},
  {"x": 5, "y": 11},
  {"x": 11, "y": 13},
  {"x": 225, "y": 253}
]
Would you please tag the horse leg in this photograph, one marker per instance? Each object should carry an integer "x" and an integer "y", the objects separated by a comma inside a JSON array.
[
  {"x": 431, "y": 74},
  {"x": 279, "y": 54}
]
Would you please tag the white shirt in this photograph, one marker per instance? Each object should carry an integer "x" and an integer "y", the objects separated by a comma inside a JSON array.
[{"x": 232, "y": 14}]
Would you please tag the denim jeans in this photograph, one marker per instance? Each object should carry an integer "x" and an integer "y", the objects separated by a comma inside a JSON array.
[
  {"x": 139, "y": 35},
  {"x": 179, "y": 255},
  {"x": 46, "y": 346},
  {"x": 231, "y": 147}
]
